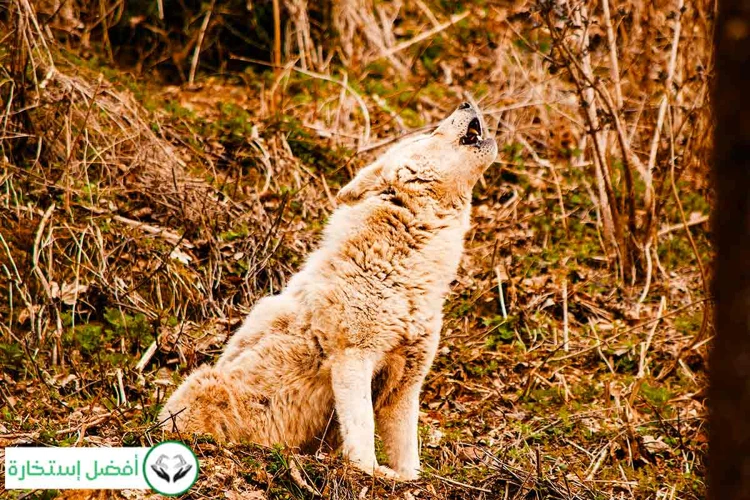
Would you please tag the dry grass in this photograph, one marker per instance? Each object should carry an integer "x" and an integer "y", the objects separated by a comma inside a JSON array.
[{"x": 140, "y": 221}]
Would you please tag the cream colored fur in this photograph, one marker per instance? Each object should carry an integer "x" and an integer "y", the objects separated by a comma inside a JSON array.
[{"x": 348, "y": 342}]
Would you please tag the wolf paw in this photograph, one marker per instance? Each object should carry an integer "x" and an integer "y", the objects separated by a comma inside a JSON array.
[
  {"x": 409, "y": 474},
  {"x": 388, "y": 473},
  {"x": 373, "y": 469}
]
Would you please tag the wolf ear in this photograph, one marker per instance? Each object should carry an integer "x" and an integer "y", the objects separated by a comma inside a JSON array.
[{"x": 369, "y": 179}]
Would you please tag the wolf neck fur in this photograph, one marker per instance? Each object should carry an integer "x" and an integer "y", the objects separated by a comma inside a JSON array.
[{"x": 387, "y": 243}]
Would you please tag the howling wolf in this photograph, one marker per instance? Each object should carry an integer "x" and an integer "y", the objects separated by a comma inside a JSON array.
[{"x": 350, "y": 339}]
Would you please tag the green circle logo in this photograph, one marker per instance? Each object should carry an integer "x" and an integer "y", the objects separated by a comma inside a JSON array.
[{"x": 170, "y": 468}]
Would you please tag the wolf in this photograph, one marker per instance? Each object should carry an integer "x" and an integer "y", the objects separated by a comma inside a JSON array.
[{"x": 348, "y": 343}]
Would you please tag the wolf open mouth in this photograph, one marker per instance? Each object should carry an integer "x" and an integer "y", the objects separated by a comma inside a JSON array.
[{"x": 473, "y": 132}]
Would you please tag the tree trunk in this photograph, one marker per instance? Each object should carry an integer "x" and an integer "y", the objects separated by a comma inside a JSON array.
[{"x": 729, "y": 395}]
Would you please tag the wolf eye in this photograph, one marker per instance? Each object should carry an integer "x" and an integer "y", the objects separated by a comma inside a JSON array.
[{"x": 417, "y": 180}]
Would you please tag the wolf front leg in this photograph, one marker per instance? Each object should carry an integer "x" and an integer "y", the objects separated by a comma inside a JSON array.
[
  {"x": 351, "y": 379},
  {"x": 398, "y": 417},
  {"x": 398, "y": 425}
]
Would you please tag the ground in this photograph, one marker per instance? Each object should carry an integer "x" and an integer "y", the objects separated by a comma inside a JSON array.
[{"x": 131, "y": 254}]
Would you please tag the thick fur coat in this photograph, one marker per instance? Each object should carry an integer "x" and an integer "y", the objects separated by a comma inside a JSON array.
[{"x": 348, "y": 342}]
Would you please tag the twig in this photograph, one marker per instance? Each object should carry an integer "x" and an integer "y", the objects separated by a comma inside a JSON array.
[
  {"x": 614, "y": 69},
  {"x": 566, "y": 344},
  {"x": 699, "y": 262},
  {"x": 599, "y": 460},
  {"x": 392, "y": 139},
  {"x": 427, "y": 34},
  {"x": 607, "y": 197},
  {"x": 647, "y": 345},
  {"x": 199, "y": 45},
  {"x": 683, "y": 225},
  {"x": 35, "y": 250},
  {"x": 649, "y": 272},
  {"x": 636, "y": 327},
  {"x": 427, "y": 12},
  {"x": 123, "y": 399},
  {"x": 560, "y": 199},
  {"x": 276, "y": 34},
  {"x": 592, "y": 86},
  {"x": 665, "y": 99},
  {"x": 331, "y": 198},
  {"x": 314, "y": 74},
  {"x": 92, "y": 101},
  {"x": 146, "y": 357},
  {"x": 168, "y": 235},
  {"x": 296, "y": 475},
  {"x": 103, "y": 14},
  {"x": 599, "y": 347},
  {"x": 628, "y": 157},
  {"x": 500, "y": 292},
  {"x": 458, "y": 483},
  {"x": 539, "y": 471}
]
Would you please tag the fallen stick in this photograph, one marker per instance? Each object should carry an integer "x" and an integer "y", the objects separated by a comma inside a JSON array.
[{"x": 423, "y": 36}]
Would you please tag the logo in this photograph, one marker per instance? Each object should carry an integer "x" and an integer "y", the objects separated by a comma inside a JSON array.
[
  {"x": 170, "y": 468},
  {"x": 38, "y": 468}
]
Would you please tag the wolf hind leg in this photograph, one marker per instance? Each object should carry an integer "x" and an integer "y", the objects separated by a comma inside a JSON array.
[{"x": 205, "y": 403}]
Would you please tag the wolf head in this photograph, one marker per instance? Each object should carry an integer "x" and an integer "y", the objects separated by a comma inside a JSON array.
[{"x": 441, "y": 167}]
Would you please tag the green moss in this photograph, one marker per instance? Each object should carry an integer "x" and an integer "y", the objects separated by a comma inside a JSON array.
[
  {"x": 657, "y": 395},
  {"x": 177, "y": 110},
  {"x": 278, "y": 462},
  {"x": 460, "y": 305},
  {"x": 310, "y": 150},
  {"x": 626, "y": 362},
  {"x": 377, "y": 69},
  {"x": 586, "y": 392},
  {"x": 689, "y": 324},
  {"x": 546, "y": 396},
  {"x": 501, "y": 331},
  {"x": 11, "y": 357},
  {"x": 431, "y": 55},
  {"x": 87, "y": 338},
  {"x": 674, "y": 252},
  {"x": 235, "y": 234},
  {"x": 512, "y": 151},
  {"x": 93, "y": 338},
  {"x": 480, "y": 369}
]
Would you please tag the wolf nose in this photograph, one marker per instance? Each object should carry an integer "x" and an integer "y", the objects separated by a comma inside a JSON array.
[{"x": 464, "y": 105}]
